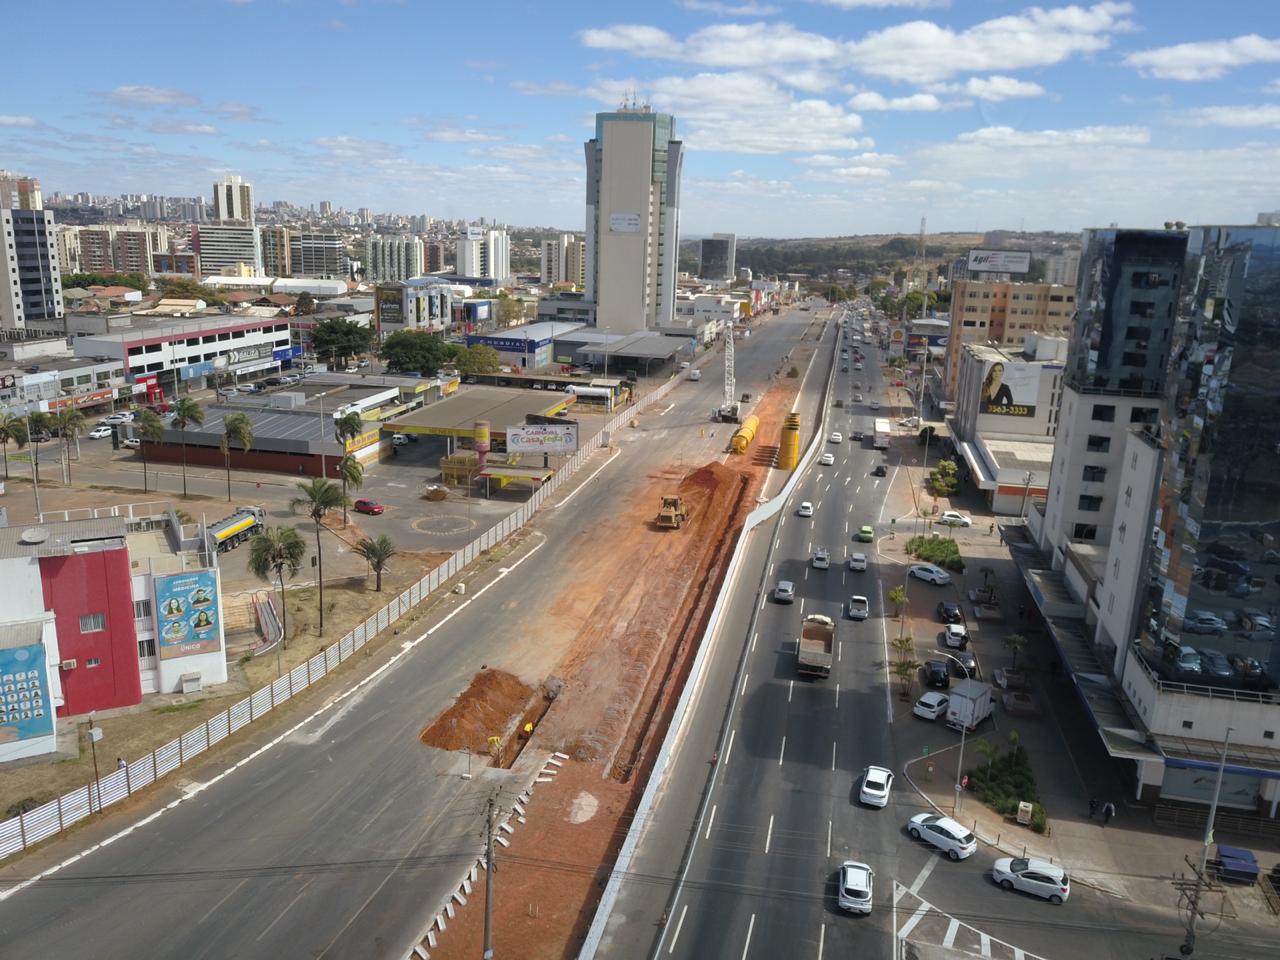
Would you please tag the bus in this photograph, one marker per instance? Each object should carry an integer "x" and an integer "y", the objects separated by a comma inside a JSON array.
[{"x": 882, "y": 435}]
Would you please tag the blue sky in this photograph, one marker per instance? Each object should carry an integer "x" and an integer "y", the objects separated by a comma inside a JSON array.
[{"x": 800, "y": 117}]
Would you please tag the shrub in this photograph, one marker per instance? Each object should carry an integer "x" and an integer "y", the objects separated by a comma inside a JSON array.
[
  {"x": 1006, "y": 782},
  {"x": 940, "y": 551}
]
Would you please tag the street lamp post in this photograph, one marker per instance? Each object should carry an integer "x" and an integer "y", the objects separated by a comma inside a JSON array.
[
  {"x": 1189, "y": 944},
  {"x": 964, "y": 728}
]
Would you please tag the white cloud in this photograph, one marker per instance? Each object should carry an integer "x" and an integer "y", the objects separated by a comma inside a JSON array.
[
  {"x": 552, "y": 88},
  {"x": 720, "y": 45},
  {"x": 1001, "y": 88},
  {"x": 934, "y": 185},
  {"x": 820, "y": 160},
  {"x": 710, "y": 114},
  {"x": 869, "y": 100},
  {"x": 748, "y": 9},
  {"x": 1266, "y": 115},
  {"x": 459, "y": 135},
  {"x": 924, "y": 52},
  {"x": 232, "y": 110},
  {"x": 1007, "y": 137},
  {"x": 858, "y": 4},
  {"x": 181, "y": 127},
  {"x": 147, "y": 96},
  {"x": 17, "y": 121},
  {"x": 855, "y": 172},
  {"x": 878, "y": 159},
  {"x": 1205, "y": 59}
]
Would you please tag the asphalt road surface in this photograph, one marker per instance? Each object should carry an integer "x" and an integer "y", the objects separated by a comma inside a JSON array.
[{"x": 341, "y": 840}]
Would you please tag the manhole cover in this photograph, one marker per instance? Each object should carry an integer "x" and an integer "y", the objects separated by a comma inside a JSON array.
[{"x": 442, "y": 526}]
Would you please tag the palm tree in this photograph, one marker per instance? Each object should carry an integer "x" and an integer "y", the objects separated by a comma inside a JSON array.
[
  {"x": 1015, "y": 642},
  {"x": 905, "y": 670},
  {"x": 987, "y": 749},
  {"x": 352, "y": 472},
  {"x": 236, "y": 428},
  {"x": 317, "y": 497},
  {"x": 898, "y": 597},
  {"x": 12, "y": 428},
  {"x": 377, "y": 552},
  {"x": 149, "y": 427},
  {"x": 70, "y": 423},
  {"x": 904, "y": 647},
  {"x": 38, "y": 423},
  {"x": 186, "y": 411},
  {"x": 271, "y": 553},
  {"x": 345, "y": 429}
]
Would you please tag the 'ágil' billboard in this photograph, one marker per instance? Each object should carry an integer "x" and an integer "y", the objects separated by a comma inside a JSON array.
[
  {"x": 999, "y": 261},
  {"x": 543, "y": 438},
  {"x": 1009, "y": 389},
  {"x": 187, "y": 614}
]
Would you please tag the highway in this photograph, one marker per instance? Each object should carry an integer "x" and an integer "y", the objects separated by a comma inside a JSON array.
[{"x": 342, "y": 839}]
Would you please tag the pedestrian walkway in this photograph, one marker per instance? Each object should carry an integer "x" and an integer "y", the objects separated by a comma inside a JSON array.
[{"x": 921, "y": 924}]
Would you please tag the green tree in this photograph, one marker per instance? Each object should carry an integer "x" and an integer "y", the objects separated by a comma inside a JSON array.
[
  {"x": 71, "y": 424},
  {"x": 477, "y": 359},
  {"x": 337, "y": 338},
  {"x": 509, "y": 310},
  {"x": 149, "y": 427},
  {"x": 944, "y": 478},
  {"x": 306, "y": 304},
  {"x": 272, "y": 552},
  {"x": 987, "y": 750},
  {"x": 377, "y": 552},
  {"x": 905, "y": 671},
  {"x": 408, "y": 350},
  {"x": 41, "y": 425},
  {"x": 12, "y": 429},
  {"x": 351, "y": 471},
  {"x": 345, "y": 429},
  {"x": 316, "y": 498},
  {"x": 1014, "y": 642},
  {"x": 184, "y": 288},
  {"x": 236, "y": 428},
  {"x": 898, "y": 597},
  {"x": 927, "y": 435},
  {"x": 86, "y": 280},
  {"x": 186, "y": 412},
  {"x": 904, "y": 646}
]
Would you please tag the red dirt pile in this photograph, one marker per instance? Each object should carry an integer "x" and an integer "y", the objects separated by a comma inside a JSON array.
[{"x": 487, "y": 705}]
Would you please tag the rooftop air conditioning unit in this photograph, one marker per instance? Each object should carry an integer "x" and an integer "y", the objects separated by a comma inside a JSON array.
[{"x": 68, "y": 664}]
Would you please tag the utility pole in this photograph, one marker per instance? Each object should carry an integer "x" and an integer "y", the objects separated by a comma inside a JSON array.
[
  {"x": 488, "y": 882},
  {"x": 1026, "y": 491},
  {"x": 1189, "y": 944}
]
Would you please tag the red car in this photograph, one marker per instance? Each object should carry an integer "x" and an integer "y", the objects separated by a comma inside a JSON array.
[{"x": 371, "y": 507}]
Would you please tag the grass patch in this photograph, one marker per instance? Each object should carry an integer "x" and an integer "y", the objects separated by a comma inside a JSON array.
[
  {"x": 1005, "y": 781},
  {"x": 178, "y": 707},
  {"x": 940, "y": 551}
]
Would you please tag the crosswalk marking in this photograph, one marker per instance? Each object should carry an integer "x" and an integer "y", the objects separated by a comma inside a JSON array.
[{"x": 913, "y": 920}]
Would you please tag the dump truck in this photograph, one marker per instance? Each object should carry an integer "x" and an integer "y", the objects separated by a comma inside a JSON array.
[
  {"x": 971, "y": 702},
  {"x": 815, "y": 650},
  {"x": 229, "y": 533},
  {"x": 673, "y": 513}
]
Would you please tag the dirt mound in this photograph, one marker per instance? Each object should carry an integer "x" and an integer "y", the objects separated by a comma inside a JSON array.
[{"x": 486, "y": 707}]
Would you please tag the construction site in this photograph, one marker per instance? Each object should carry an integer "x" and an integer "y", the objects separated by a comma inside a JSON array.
[{"x": 628, "y": 616}]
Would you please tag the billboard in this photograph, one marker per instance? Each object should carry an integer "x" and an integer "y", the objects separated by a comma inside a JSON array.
[
  {"x": 25, "y": 707},
  {"x": 389, "y": 305},
  {"x": 999, "y": 261},
  {"x": 187, "y": 614},
  {"x": 624, "y": 223},
  {"x": 1009, "y": 389},
  {"x": 543, "y": 438}
]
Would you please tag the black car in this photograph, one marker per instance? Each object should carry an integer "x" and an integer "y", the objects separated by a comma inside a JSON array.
[
  {"x": 845, "y": 368},
  {"x": 880, "y": 471},
  {"x": 967, "y": 665},
  {"x": 856, "y": 436},
  {"x": 936, "y": 674},
  {"x": 949, "y": 612}
]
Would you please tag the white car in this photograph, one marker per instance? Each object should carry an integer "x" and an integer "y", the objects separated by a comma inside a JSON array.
[
  {"x": 929, "y": 573},
  {"x": 955, "y": 635},
  {"x": 1037, "y": 877},
  {"x": 876, "y": 783},
  {"x": 856, "y": 881},
  {"x": 857, "y": 398},
  {"x": 954, "y": 518},
  {"x": 875, "y": 404},
  {"x": 399, "y": 439},
  {"x": 952, "y": 838},
  {"x": 100, "y": 432},
  {"x": 859, "y": 607},
  {"x": 784, "y": 592},
  {"x": 133, "y": 443},
  {"x": 836, "y": 437},
  {"x": 857, "y": 366},
  {"x": 858, "y": 562},
  {"x": 805, "y": 509},
  {"x": 931, "y": 706},
  {"x": 827, "y": 459},
  {"x": 821, "y": 559},
  {"x": 123, "y": 417},
  {"x": 911, "y": 422}
]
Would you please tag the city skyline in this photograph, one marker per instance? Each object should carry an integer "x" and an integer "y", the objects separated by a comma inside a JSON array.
[{"x": 799, "y": 118}]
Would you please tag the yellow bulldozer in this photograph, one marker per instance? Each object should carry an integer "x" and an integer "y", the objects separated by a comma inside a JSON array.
[{"x": 673, "y": 513}]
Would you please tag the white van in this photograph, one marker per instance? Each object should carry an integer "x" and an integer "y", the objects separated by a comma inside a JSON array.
[{"x": 695, "y": 374}]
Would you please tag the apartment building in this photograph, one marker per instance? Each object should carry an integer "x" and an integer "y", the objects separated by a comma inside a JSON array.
[
  {"x": 717, "y": 254},
  {"x": 433, "y": 253},
  {"x": 575, "y": 263},
  {"x": 485, "y": 253},
  {"x": 394, "y": 258},
  {"x": 277, "y": 257},
  {"x": 233, "y": 200},
  {"x": 226, "y": 249},
  {"x": 319, "y": 255},
  {"x": 19, "y": 193},
  {"x": 31, "y": 288},
  {"x": 1004, "y": 313}
]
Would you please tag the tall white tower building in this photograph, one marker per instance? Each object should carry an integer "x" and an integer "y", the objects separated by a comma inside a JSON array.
[{"x": 233, "y": 200}]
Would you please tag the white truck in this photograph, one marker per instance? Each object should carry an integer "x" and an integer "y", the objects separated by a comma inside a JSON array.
[
  {"x": 816, "y": 647},
  {"x": 971, "y": 702},
  {"x": 229, "y": 533}
]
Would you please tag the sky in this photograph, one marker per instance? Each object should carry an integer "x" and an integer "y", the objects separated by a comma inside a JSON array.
[{"x": 799, "y": 117}]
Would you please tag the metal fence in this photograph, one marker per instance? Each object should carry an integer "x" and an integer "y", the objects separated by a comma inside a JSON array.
[{"x": 55, "y": 816}]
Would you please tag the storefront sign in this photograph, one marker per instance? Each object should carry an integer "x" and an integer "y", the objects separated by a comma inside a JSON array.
[{"x": 561, "y": 438}]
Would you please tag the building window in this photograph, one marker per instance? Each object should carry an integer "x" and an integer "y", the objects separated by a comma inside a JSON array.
[
  {"x": 142, "y": 609},
  {"x": 1268, "y": 734},
  {"x": 92, "y": 622},
  {"x": 147, "y": 647},
  {"x": 1104, "y": 413},
  {"x": 1095, "y": 474},
  {"x": 93, "y": 662},
  {"x": 1144, "y": 415},
  {"x": 1090, "y": 504},
  {"x": 1096, "y": 444},
  {"x": 1085, "y": 531},
  {"x": 1187, "y": 724}
]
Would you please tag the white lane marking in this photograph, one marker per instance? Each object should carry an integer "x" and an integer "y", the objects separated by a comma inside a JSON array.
[
  {"x": 663, "y": 413},
  {"x": 754, "y": 637},
  {"x": 833, "y": 754},
  {"x": 783, "y": 751},
  {"x": 768, "y": 837},
  {"x": 195, "y": 790},
  {"x": 214, "y": 908},
  {"x": 828, "y": 839},
  {"x": 819, "y": 507},
  {"x": 790, "y": 686},
  {"x": 806, "y": 573},
  {"x": 771, "y": 566},
  {"x": 985, "y": 940},
  {"x": 859, "y": 489},
  {"x": 837, "y": 696},
  {"x": 710, "y": 821},
  {"x": 822, "y": 936},
  {"x": 914, "y": 919},
  {"x": 801, "y": 611},
  {"x": 839, "y": 649},
  {"x": 729, "y": 749},
  {"x": 744, "y": 684},
  {"x": 810, "y": 550},
  {"x": 676, "y": 935},
  {"x": 747, "y": 946},
  {"x": 846, "y": 480},
  {"x": 557, "y": 506},
  {"x": 952, "y": 929},
  {"x": 280, "y": 915},
  {"x": 923, "y": 875}
]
